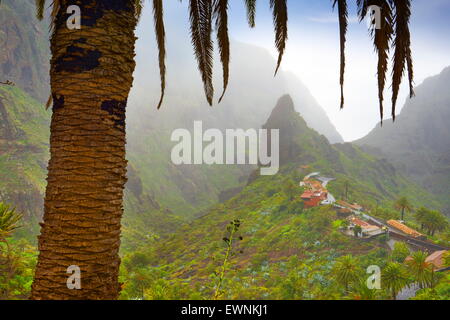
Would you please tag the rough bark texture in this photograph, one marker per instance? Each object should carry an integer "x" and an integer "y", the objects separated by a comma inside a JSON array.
[{"x": 91, "y": 75}]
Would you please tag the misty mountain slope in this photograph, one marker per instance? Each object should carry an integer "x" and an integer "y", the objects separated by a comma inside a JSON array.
[
  {"x": 371, "y": 180},
  {"x": 314, "y": 115},
  {"x": 418, "y": 143},
  {"x": 251, "y": 95},
  {"x": 24, "y": 135},
  {"x": 24, "y": 48}
]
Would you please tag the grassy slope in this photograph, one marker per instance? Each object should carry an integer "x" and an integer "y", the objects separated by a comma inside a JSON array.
[
  {"x": 24, "y": 152},
  {"x": 280, "y": 242}
]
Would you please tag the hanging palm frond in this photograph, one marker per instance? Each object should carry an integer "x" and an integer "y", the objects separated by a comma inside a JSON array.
[
  {"x": 251, "y": 12},
  {"x": 402, "y": 54},
  {"x": 56, "y": 4},
  {"x": 382, "y": 38},
  {"x": 343, "y": 25},
  {"x": 223, "y": 41},
  {"x": 40, "y": 6},
  {"x": 395, "y": 16},
  {"x": 200, "y": 12},
  {"x": 280, "y": 19},
  {"x": 158, "y": 14},
  {"x": 138, "y": 5}
]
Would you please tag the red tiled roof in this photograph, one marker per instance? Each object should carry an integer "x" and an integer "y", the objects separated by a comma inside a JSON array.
[
  {"x": 344, "y": 204},
  {"x": 437, "y": 259},
  {"x": 405, "y": 229},
  {"x": 363, "y": 224},
  {"x": 356, "y": 206},
  {"x": 307, "y": 194},
  {"x": 359, "y": 222}
]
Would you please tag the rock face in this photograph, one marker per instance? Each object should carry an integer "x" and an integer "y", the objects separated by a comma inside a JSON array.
[
  {"x": 298, "y": 142},
  {"x": 314, "y": 115},
  {"x": 418, "y": 143},
  {"x": 24, "y": 48}
]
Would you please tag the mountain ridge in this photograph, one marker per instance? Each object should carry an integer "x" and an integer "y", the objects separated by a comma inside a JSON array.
[{"x": 418, "y": 143}]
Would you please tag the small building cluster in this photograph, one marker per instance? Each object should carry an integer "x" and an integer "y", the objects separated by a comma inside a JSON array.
[
  {"x": 314, "y": 194},
  {"x": 313, "y": 198}
]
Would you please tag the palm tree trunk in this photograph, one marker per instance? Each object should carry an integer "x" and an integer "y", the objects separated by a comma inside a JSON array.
[{"x": 91, "y": 76}]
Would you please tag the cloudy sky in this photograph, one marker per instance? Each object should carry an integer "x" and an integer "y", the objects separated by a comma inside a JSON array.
[{"x": 313, "y": 53}]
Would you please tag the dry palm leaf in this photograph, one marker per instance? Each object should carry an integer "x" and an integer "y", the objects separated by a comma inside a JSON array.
[
  {"x": 201, "y": 28},
  {"x": 158, "y": 14},
  {"x": 343, "y": 25},
  {"x": 280, "y": 19},
  {"x": 223, "y": 41},
  {"x": 251, "y": 12},
  {"x": 402, "y": 54}
]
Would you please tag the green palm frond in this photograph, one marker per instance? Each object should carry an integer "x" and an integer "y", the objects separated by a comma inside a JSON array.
[
  {"x": 221, "y": 17},
  {"x": 280, "y": 20},
  {"x": 158, "y": 13},
  {"x": 200, "y": 12},
  {"x": 251, "y": 12},
  {"x": 343, "y": 25},
  {"x": 9, "y": 220}
]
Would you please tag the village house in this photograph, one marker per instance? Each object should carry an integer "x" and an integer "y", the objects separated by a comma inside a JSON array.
[
  {"x": 367, "y": 230},
  {"x": 436, "y": 259},
  {"x": 313, "y": 198},
  {"x": 344, "y": 212},
  {"x": 356, "y": 208},
  {"x": 313, "y": 185},
  {"x": 405, "y": 229}
]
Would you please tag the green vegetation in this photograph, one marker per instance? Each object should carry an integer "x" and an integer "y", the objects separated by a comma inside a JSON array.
[
  {"x": 17, "y": 258},
  {"x": 431, "y": 220},
  {"x": 403, "y": 205},
  {"x": 395, "y": 278},
  {"x": 288, "y": 253},
  {"x": 24, "y": 138},
  {"x": 232, "y": 229},
  {"x": 346, "y": 271}
]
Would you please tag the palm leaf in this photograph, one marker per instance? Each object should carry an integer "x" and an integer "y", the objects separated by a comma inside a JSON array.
[
  {"x": 280, "y": 19},
  {"x": 221, "y": 17},
  {"x": 56, "y": 5},
  {"x": 251, "y": 12},
  {"x": 200, "y": 12},
  {"x": 9, "y": 220},
  {"x": 138, "y": 5},
  {"x": 402, "y": 54},
  {"x": 343, "y": 25},
  {"x": 382, "y": 39},
  {"x": 40, "y": 7},
  {"x": 158, "y": 14}
]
